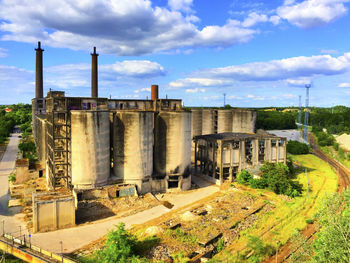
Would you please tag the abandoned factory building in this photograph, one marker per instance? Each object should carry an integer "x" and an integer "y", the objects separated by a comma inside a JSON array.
[{"x": 219, "y": 157}]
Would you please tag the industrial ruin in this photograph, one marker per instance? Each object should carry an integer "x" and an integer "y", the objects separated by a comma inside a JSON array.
[
  {"x": 92, "y": 143},
  {"x": 220, "y": 157}
]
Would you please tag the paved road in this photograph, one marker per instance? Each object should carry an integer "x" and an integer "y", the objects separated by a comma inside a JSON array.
[
  {"x": 74, "y": 238},
  {"x": 7, "y": 165},
  {"x": 293, "y": 135}
]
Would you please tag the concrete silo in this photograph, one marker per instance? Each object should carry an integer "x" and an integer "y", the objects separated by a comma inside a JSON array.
[
  {"x": 90, "y": 146},
  {"x": 172, "y": 148},
  {"x": 133, "y": 147},
  {"x": 224, "y": 121},
  {"x": 208, "y": 121}
]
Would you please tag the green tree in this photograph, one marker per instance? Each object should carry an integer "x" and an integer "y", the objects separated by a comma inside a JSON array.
[{"x": 295, "y": 147}]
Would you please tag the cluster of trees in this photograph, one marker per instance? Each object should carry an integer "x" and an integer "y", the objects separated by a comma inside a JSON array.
[
  {"x": 28, "y": 148},
  {"x": 275, "y": 120},
  {"x": 276, "y": 177},
  {"x": 295, "y": 147},
  {"x": 323, "y": 138},
  {"x": 336, "y": 120},
  {"x": 20, "y": 115}
]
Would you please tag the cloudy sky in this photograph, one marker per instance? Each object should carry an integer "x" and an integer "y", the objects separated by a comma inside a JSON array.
[{"x": 258, "y": 53}]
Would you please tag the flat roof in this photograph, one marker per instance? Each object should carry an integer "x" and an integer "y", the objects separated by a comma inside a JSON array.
[{"x": 226, "y": 136}]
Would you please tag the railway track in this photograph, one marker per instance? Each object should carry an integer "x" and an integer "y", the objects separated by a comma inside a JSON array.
[{"x": 343, "y": 181}]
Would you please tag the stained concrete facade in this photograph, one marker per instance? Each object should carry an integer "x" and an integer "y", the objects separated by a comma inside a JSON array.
[
  {"x": 219, "y": 157},
  {"x": 52, "y": 212},
  {"x": 91, "y": 142}
]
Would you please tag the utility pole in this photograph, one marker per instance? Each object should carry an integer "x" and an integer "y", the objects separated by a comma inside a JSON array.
[
  {"x": 224, "y": 99},
  {"x": 306, "y": 121}
]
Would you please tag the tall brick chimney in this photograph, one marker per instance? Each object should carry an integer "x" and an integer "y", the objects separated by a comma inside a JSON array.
[
  {"x": 94, "y": 75},
  {"x": 39, "y": 73},
  {"x": 154, "y": 92}
]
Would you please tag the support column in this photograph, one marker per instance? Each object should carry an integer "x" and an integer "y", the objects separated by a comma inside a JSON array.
[
  {"x": 221, "y": 164},
  {"x": 195, "y": 156},
  {"x": 231, "y": 165}
]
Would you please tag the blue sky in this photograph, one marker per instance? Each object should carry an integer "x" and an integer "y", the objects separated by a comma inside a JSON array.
[{"x": 259, "y": 53}]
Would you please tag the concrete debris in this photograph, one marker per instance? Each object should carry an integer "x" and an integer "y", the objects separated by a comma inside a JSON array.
[
  {"x": 154, "y": 230},
  {"x": 189, "y": 216}
]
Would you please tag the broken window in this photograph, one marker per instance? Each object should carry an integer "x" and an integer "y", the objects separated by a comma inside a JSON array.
[
  {"x": 249, "y": 151},
  {"x": 261, "y": 150}
]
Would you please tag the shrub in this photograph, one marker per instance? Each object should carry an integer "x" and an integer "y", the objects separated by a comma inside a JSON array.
[
  {"x": 119, "y": 247},
  {"x": 12, "y": 178},
  {"x": 295, "y": 147},
  {"x": 221, "y": 245},
  {"x": 244, "y": 177}
]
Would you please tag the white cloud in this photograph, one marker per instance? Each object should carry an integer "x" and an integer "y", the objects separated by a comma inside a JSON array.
[
  {"x": 196, "y": 90},
  {"x": 275, "y": 20},
  {"x": 204, "y": 82},
  {"x": 118, "y": 27},
  {"x": 312, "y": 13},
  {"x": 253, "y": 19},
  {"x": 3, "y": 52},
  {"x": 136, "y": 68},
  {"x": 143, "y": 90},
  {"x": 344, "y": 85},
  {"x": 329, "y": 51},
  {"x": 181, "y": 5},
  {"x": 298, "y": 82},
  {"x": 289, "y": 68}
]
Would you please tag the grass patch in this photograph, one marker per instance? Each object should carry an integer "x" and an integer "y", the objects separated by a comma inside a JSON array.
[{"x": 291, "y": 215}]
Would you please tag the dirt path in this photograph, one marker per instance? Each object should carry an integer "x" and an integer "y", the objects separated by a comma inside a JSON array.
[
  {"x": 308, "y": 232},
  {"x": 77, "y": 237}
]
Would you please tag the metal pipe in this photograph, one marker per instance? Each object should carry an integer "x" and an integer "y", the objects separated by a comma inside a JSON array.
[
  {"x": 39, "y": 72},
  {"x": 94, "y": 75}
]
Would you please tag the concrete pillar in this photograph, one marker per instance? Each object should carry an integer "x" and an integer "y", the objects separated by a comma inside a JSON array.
[
  {"x": 231, "y": 165},
  {"x": 195, "y": 156},
  {"x": 269, "y": 153},
  {"x": 54, "y": 214},
  {"x": 221, "y": 164},
  {"x": 214, "y": 160},
  {"x": 242, "y": 157},
  {"x": 277, "y": 151},
  {"x": 94, "y": 74},
  {"x": 39, "y": 72}
]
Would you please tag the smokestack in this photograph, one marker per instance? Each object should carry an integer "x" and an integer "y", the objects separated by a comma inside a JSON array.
[
  {"x": 94, "y": 75},
  {"x": 39, "y": 73},
  {"x": 154, "y": 92}
]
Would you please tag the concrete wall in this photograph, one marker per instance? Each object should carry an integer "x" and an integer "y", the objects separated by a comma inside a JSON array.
[
  {"x": 172, "y": 143},
  {"x": 133, "y": 146},
  {"x": 224, "y": 121},
  {"x": 90, "y": 146},
  {"x": 39, "y": 132},
  {"x": 208, "y": 121},
  {"x": 49, "y": 215},
  {"x": 243, "y": 120}
]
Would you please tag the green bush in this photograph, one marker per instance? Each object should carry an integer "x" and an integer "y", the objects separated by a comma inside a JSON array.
[
  {"x": 278, "y": 178},
  {"x": 244, "y": 177},
  {"x": 119, "y": 247},
  {"x": 295, "y": 147},
  {"x": 12, "y": 178},
  {"x": 324, "y": 139}
]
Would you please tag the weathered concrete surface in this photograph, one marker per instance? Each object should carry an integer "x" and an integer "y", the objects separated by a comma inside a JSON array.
[
  {"x": 90, "y": 148},
  {"x": 133, "y": 146},
  {"x": 7, "y": 165},
  {"x": 74, "y": 238},
  {"x": 54, "y": 213},
  {"x": 172, "y": 143}
]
